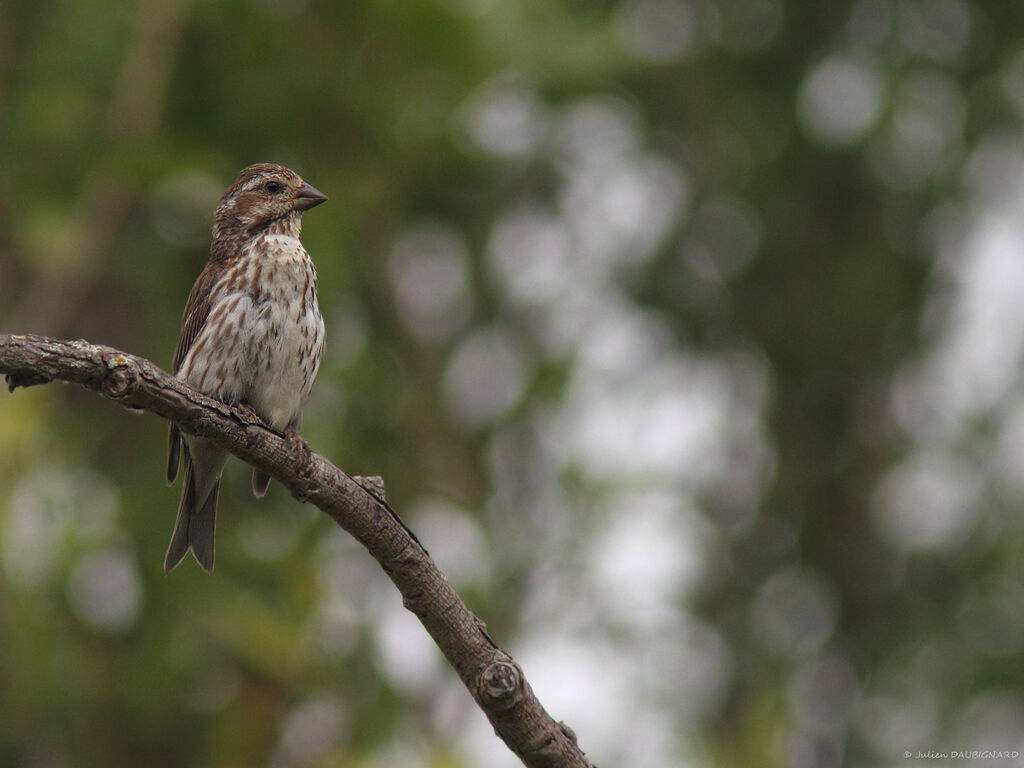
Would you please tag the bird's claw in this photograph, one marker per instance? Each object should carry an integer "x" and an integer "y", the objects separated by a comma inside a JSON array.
[
  {"x": 249, "y": 415},
  {"x": 298, "y": 444}
]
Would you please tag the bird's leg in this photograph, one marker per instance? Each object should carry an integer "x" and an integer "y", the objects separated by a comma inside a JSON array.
[{"x": 298, "y": 442}]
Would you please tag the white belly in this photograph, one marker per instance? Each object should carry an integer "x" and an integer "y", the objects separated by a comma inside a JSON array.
[
  {"x": 262, "y": 348},
  {"x": 287, "y": 339}
]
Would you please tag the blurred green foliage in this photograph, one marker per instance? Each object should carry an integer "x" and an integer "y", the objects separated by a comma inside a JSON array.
[{"x": 682, "y": 331}]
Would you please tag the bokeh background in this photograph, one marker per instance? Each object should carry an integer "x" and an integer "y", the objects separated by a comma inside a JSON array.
[{"x": 687, "y": 335}]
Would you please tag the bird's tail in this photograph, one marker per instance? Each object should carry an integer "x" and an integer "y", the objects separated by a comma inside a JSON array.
[
  {"x": 260, "y": 482},
  {"x": 195, "y": 524}
]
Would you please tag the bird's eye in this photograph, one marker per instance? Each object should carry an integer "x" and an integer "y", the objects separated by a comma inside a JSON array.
[{"x": 273, "y": 187}]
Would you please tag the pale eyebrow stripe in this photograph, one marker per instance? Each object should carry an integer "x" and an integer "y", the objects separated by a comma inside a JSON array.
[{"x": 254, "y": 182}]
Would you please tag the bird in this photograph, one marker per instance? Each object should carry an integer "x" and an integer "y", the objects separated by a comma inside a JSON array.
[{"x": 251, "y": 335}]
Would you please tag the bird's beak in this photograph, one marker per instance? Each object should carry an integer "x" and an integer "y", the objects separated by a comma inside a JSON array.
[{"x": 307, "y": 197}]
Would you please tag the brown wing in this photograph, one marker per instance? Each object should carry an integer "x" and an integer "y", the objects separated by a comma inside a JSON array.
[{"x": 197, "y": 310}]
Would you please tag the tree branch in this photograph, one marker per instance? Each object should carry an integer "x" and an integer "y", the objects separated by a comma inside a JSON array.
[{"x": 492, "y": 676}]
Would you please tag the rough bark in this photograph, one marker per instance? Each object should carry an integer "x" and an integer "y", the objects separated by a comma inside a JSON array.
[{"x": 492, "y": 676}]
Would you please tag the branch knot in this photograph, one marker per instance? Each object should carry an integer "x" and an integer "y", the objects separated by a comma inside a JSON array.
[
  {"x": 122, "y": 379},
  {"x": 500, "y": 683}
]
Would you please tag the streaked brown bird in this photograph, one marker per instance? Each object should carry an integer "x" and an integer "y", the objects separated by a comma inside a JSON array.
[{"x": 251, "y": 335}]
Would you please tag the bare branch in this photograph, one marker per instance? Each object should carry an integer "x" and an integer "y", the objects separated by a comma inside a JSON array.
[{"x": 492, "y": 676}]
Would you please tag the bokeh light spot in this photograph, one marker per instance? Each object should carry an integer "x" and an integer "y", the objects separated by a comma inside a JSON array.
[
  {"x": 840, "y": 100},
  {"x": 104, "y": 590}
]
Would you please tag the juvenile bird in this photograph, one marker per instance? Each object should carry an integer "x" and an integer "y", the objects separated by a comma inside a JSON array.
[{"x": 251, "y": 335}]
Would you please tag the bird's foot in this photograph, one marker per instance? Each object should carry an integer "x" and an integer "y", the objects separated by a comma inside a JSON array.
[
  {"x": 298, "y": 444},
  {"x": 303, "y": 456},
  {"x": 249, "y": 415}
]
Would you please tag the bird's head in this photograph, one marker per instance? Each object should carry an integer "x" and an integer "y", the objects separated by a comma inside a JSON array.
[{"x": 265, "y": 197}]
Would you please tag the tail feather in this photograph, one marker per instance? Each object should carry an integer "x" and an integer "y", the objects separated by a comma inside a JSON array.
[
  {"x": 260, "y": 482},
  {"x": 194, "y": 526},
  {"x": 173, "y": 448}
]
